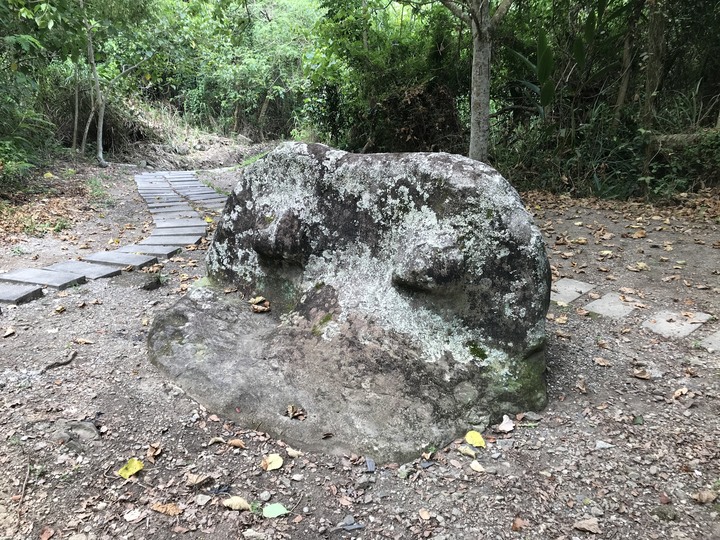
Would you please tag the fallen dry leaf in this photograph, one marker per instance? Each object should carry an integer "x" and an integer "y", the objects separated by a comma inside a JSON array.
[
  {"x": 519, "y": 524},
  {"x": 705, "y": 496},
  {"x": 46, "y": 533},
  {"x": 236, "y": 503},
  {"x": 600, "y": 361},
  {"x": 153, "y": 451},
  {"x": 641, "y": 374},
  {"x": 476, "y": 466},
  {"x": 271, "y": 462},
  {"x": 507, "y": 425},
  {"x": 236, "y": 443},
  {"x": 169, "y": 509},
  {"x": 293, "y": 453},
  {"x": 9, "y": 331},
  {"x": 588, "y": 525}
]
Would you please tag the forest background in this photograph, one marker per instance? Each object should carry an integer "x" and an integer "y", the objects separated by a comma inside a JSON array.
[{"x": 612, "y": 98}]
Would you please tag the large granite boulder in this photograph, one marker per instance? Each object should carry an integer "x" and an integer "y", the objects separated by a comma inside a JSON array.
[{"x": 407, "y": 295}]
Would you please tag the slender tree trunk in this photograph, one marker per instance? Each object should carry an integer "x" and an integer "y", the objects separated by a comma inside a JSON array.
[
  {"x": 480, "y": 87},
  {"x": 653, "y": 74},
  {"x": 76, "y": 118},
  {"x": 99, "y": 97},
  {"x": 627, "y": 62},
  {"x": 91, "y": 114}
]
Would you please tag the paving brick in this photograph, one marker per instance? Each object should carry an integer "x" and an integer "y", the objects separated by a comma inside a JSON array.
[
  {"x": 164, "y": 251},
  {"x": 180, "y": 231},
  {"x": 185, "y": 240},
  {"x": 165, "y": 216},
  {"x": 19, "y": 294},
  {"x": 117, "y": 258},
  {"x": 712, "y": 342},
  {"x": 566, "y": 290},
  {"x": 610, "y": 305},
  {"x": 174, "y": 223},
  {"x": 675, "y": 325},
  {"x": 89, "y": 270},
  {"x": 47, "y": 278},
  {"x": 172, "y": 208}
]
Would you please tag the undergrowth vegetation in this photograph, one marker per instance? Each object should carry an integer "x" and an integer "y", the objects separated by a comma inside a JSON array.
[{"x": 612, "y": 98}]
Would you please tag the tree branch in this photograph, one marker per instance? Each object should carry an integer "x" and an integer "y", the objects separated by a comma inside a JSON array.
[
  {"x": 456, "y": 9},
  {"x": 128, "y": 70},
  {"x": 500, "y": 13}
]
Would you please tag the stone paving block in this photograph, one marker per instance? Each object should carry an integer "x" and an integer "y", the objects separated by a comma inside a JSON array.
[
  {"x": 117, "y": 258},
  {"x": 180, "y": 231},
  {"x": 712, "y": 342},
  {"x": 675, "y": 325},
  {"x": 89, "y": 270},
  {"x": 19, "y": 294},
  {"x": 177, "y": 240},
  {"x": 174, "y": 223},
  {"x": 566, "y": 290},
  {"x": 48, "y": 278},
  {"x": 165, "y": 216},
  {"x": 175, "y": 207},
  {"x": 610, "y": 305},
  {"x": 164, "y": 251}
]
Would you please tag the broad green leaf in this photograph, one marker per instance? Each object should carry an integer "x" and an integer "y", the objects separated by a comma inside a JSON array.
[
  {"x": 578, "y": 49},
  {"x": 547, "y": 93},
  {"x": 274, "y": 510}
]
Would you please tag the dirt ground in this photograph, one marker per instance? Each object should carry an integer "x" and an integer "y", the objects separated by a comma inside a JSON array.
[{"x": 628, "y": 446}]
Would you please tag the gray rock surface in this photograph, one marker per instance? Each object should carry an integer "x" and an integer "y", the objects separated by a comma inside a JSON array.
[{"x": 408, "y": 297}]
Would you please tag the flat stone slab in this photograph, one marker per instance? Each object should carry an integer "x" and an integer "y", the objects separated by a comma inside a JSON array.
[
  {"x": 164, "y": 251},
  {"x": 712, "y": 342},
  {"x": 174, "y": 223},
  {"x": 675, "y": 325},
  {"x": 610, "y": 305},
  {"x": 566, "y": 290},
  {"x": 189, "y": 214},
  {"x": 118, "y": 258},
  {"x": 89, "y": 270},
  {"x": 171, "y": 208},
  {"x": 180, "y": 231},
  {"x": 177, "y": 240},
  {"x": 19, "y": 294},
  {"x": 48, "y": 278}
]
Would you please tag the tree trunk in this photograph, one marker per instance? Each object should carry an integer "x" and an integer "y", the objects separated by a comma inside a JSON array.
[
  {"x": 76, "y": 118},
  {"x": 99, "y": 97},
  {"x": 480, "y": 87},
  {"x": 628, "y": 55},
  {"x": 653, "y": 73}
]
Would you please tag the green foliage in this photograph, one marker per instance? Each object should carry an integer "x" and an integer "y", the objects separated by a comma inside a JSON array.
[{"x": 387, "y": 77}]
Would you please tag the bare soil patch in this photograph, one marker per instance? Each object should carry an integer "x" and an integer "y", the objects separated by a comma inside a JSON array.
[{"x": 614, "y": 455}]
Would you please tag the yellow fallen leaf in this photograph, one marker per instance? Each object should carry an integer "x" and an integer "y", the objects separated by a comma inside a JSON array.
[
  {"x": 48, "y": 175},
  {"x": 474, "y": 438},
  {"x": 208, "y": 219},
  {"x": 475, "y": 466},
  {"x": 132, "y": 466},
  {"x": 271, "y": 462},
  {"x": 236, "y": 503}
]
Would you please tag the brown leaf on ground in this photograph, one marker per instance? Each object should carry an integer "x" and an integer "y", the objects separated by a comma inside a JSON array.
[
  {"x": 590, "y": 525},
  {"x": 169, "y": 509}
]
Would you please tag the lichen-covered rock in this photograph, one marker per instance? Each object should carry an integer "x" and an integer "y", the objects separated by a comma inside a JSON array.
[{"x": 408, "y": 296}]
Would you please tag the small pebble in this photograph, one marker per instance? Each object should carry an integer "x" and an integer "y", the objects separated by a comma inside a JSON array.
[{"x": 265, "y": 496}]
